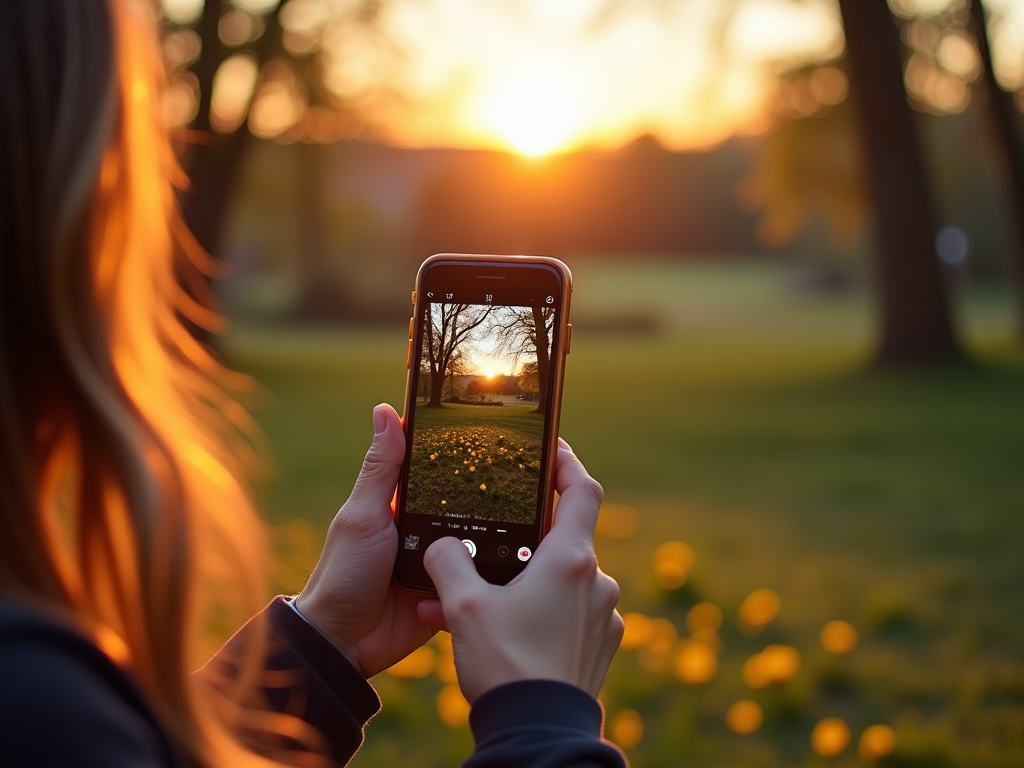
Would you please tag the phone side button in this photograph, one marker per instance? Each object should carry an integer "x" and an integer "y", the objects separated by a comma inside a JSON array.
[
  {"x": 410, "y": 328},
  {"x": 408, "y": 356},
  {"x": 568, "y": 338},
  {"x": 414, "y": 298}
]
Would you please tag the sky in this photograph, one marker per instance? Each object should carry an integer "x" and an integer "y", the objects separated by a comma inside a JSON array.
[
  {"x": 540, "y": 76},
  {"x": 543, "y": 75}
]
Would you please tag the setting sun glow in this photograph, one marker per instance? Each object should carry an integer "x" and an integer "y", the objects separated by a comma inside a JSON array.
[{"x": 533, "y": 111}]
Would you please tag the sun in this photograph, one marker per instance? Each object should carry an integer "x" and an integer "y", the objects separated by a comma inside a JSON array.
[{"x": 533, "y": 111}]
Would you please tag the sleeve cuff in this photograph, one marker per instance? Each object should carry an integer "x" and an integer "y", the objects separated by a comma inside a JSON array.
[
  {"x": 329, "y": 663},
  {"x": 532, "y": 703}
]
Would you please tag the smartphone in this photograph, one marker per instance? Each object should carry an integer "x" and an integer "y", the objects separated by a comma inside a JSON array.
[{"x": 487, "y": 346}]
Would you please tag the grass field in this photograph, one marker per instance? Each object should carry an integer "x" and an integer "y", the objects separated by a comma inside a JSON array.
[
  {"x": 749, "y": 430},
  {"x": 481, "y": 461}
]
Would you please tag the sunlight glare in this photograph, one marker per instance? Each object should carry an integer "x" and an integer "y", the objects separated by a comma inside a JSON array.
[{"x": 535, "y": 111}]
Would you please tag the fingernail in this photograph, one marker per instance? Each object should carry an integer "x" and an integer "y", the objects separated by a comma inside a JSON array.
[
  {"x": 380, "y": 422},
  {"x": 565, "y": 445}
]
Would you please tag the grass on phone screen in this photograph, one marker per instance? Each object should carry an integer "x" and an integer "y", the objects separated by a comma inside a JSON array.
[{"x": 478, "y": 461}]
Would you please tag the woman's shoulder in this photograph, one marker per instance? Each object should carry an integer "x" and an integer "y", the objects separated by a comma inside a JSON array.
[{"x": 67, "y": 702}]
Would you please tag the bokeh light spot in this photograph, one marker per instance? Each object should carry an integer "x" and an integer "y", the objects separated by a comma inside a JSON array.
[
  {"x": 656, "y": 654},
  {"x": 444, "y": 668},
  {"x": 758, "y": 609},
  {"x": 637, "y": 631},
  {"x": 419, "y": 663},
  {"x": 745, "y": 716},
  {"x": 695, "y": 663},
  {"x": 627, "y": 728},
  {"x": 452, "y": 706},
  {"x": 704, "y": 616},
  {"x": 830, "y": 737},
  {"x": 233, "y": 87},
  {"x": 775, "y": 664},
  {"x": 876, "y": 742},
  {"x": 838, "y": 637},
  {"x": 672, "y": 560}
]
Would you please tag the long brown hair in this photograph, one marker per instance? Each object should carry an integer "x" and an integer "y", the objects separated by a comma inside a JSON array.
[{"x": 122, "y": 456}]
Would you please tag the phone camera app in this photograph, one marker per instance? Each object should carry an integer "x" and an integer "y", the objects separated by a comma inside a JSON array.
[
  {"x": 525, "y": 553},
  {"x": 412, "y": 542}
]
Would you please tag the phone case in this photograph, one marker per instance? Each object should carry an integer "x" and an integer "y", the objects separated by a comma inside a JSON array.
[{"x": 561, "y": 344}]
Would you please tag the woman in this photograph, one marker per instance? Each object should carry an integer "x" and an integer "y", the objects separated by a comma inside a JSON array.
[{"x": 125, "y": 524}]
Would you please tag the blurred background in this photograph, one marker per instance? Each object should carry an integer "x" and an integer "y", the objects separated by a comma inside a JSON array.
[{"x": 797, "y": 234}]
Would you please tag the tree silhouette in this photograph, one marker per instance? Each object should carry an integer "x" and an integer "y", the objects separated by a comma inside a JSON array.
[
  {"x": 916, "y": 327},
  {"x": 289, "y": 56},
  {"x": 528, "y": 330},
  {"x": 447, "y": 328}
]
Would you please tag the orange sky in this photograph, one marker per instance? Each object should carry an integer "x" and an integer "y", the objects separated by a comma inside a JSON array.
[
  {"x": 543, "y": 75},
  {"x": 537, "y": 76}
]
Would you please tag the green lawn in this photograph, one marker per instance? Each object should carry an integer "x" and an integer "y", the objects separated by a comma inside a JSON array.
[
  {"x": 748, "y": 428},
  {"x": 476, "y": 460}
]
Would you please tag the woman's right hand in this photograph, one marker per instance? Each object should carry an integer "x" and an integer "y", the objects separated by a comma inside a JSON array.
[{"x": 555, "y": 621}]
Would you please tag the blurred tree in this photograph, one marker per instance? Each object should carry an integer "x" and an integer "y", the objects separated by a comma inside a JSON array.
[
  {"x": 1005, "y": 122},
  {"x": 916, "y": 327},
  {"x": 915, "y": 320},
  {"x": 265, "y": 69},
  {"x": 810, "y": 162}
]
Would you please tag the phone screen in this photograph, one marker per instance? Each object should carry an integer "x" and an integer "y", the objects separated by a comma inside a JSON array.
[{"x": 479, "y": 413}]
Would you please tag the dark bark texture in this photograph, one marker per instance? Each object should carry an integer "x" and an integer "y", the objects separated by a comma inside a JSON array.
[{"x": 915, "y": 320}]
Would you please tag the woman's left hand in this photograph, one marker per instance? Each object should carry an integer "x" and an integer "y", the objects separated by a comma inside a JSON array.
[{"x": 350, "y": 598}]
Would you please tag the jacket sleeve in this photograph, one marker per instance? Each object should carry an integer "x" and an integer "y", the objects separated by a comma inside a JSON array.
[
  {"x": 539, "y": 724},
  {"x": 527, "y": 724},
  {"x": 309, "y": 678}
]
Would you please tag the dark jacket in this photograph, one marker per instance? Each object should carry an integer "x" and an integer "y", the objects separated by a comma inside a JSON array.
[{"x": 63, "y": 702}]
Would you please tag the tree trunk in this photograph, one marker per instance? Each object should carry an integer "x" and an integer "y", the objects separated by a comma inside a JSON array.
[
  {"x": 543, "y": 361},
  {"x": 1003, "y": 114},
  {"x": 916, "y": 327},
  {"x": 213, "y": 160},
  {"x": 436, "y": 384}
]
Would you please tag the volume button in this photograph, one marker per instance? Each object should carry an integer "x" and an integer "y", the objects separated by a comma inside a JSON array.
[
  {"x": 414, "y": 298},
  {"x": 410, "y": 328},
  {"x": 568, "y": 338},
  {"x": 408, "y": 356}
]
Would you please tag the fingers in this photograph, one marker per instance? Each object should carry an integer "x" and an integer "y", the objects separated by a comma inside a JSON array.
[
  {"x": 431, "y": 614},
  {"x": 580, "y": 498},
  {"x": 375, "y": 486},
  {"x": 450, "y": 567}
]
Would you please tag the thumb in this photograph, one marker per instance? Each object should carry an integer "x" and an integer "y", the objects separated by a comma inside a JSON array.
[
  {"x": 379, "y": 475},
  {"x": 450, "y": 567}
]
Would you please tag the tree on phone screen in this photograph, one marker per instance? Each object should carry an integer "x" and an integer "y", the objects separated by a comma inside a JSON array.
[
  {"x": 447, "y": 328},
  {"x": 527, "y": 331}
]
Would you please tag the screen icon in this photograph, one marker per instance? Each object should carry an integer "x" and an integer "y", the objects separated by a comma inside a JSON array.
[
  {"x": 524, "y": 553},
  {"x": 550, "y": 299},
  {"x": 430, "y": 294},
  {"x": 502, "y": 551},
  {"x": 412, "y": 542},
  {"x": 471, "y": 546}
]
